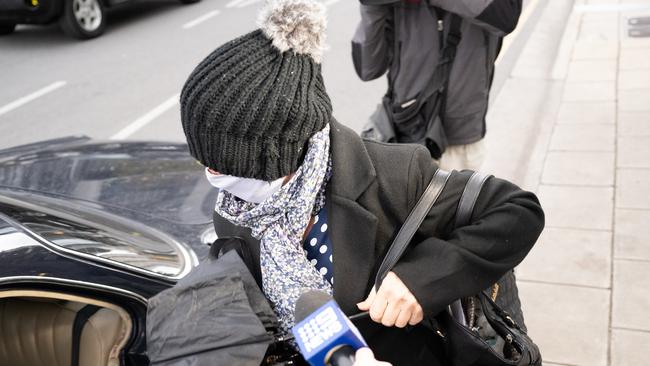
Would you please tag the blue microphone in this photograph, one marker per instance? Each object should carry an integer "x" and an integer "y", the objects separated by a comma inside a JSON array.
[{"x": 325, "y": 336}]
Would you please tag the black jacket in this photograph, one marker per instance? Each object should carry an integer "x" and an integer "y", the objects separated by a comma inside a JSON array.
[{"x": 372, "y": 190}]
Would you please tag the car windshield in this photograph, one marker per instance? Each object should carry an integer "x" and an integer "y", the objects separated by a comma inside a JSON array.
[{"x": 104, "y": 237}]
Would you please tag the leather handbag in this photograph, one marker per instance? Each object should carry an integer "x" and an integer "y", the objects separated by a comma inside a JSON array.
[{"x": 474, "y": 330}]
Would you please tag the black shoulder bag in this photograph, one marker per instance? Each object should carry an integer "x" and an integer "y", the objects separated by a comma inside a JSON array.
[
  {"x": 475, "y": 330},
  {"x": 419, "y": 120}
]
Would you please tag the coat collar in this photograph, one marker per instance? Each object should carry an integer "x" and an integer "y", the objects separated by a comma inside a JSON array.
[
  {"x": 353, "y": 171},
  {"x": 352, "y": 228}
]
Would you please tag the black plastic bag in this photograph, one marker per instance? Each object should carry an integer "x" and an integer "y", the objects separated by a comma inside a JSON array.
[{"x": 213, "y": 316}]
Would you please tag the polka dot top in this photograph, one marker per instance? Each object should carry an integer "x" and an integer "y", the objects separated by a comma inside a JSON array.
[{"x": 318, "y": 247}]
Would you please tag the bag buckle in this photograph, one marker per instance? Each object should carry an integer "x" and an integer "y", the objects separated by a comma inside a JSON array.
[{"x": 453, "y": 39}]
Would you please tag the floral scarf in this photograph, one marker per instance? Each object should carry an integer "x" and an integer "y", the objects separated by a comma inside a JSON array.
[{"x": 280, "y": 222}]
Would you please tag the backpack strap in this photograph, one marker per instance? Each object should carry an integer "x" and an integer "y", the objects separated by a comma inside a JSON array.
[
  {"x": 449, "y": 55},
  {"x": 411, "y": 224},
  {"x": 468, "y": 198},
  {"x": 439, "y": 80},
  {"x": 80, "y": 321}
]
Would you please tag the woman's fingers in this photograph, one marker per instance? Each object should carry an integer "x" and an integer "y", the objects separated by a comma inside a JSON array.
[
  {"x": 378, "y": 307},
  {"x": 403, "y": 318},
  {"x": 391, "y": 314},
  {"x": 365, "y": 304},
  {"x": 416, "y": 316},
  {"x": 393, "y": 304}
]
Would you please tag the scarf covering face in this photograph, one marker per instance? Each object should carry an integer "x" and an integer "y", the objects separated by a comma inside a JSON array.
[{"x": 280, "y": 222}]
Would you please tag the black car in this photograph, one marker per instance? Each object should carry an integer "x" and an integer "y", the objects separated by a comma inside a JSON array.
[
  {"x": 78, "y": 18},
  {"x": 88, "y": 232}
]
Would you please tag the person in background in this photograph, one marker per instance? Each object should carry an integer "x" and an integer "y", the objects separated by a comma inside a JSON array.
[
  {"x": 407, "y": 38},
  {"x": 317, "y": 206}
]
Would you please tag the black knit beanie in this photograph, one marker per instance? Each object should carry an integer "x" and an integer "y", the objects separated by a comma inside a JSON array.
[{"x": 250, "y": 107}]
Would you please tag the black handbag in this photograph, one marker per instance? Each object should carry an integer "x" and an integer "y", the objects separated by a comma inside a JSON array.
[
  {"x": 419, "y": 120},
  {"x": 474, "y": 330}
]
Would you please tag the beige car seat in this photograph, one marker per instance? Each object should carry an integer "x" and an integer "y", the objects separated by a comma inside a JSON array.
[{"x": 38, "y": 332}]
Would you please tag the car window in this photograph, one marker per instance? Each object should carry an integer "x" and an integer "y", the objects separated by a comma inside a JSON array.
[{"x": 104, "y": 238}]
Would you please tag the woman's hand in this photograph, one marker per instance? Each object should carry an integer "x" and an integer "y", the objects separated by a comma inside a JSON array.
[
  {"x": 365, "y": 357},
  {"x": 393, "y": 304}
]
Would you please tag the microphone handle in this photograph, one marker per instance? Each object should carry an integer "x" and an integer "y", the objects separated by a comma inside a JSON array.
[{"x": 340, "y": 356}]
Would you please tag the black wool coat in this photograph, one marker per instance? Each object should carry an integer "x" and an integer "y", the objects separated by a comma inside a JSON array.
[{"x": 373, "y": 188}]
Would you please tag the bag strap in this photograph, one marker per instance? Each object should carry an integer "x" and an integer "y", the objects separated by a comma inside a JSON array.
[
  {"x": 449, "y": 55},
  {"x": 80, "y": 321},
  {"x": 411, "y": 225},
  {"x": 468, "y": 198},
  {"x": 463, "y": 218},
  {"x": 448, "y": 46},
  {"x": 439, "y": 80}
]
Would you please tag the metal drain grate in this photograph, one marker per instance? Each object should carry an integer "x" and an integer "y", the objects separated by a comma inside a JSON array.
[{"x": 638, "y": 27}]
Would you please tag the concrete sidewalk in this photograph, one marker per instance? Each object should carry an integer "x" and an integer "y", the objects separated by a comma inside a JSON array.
[{"x": 586, "y": 285}]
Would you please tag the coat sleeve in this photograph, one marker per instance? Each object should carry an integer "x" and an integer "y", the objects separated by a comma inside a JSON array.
[
  {"x": 372, "y": 42},
  {"x": 497, "y": 16},
  {"x": 444, "y": 263}
]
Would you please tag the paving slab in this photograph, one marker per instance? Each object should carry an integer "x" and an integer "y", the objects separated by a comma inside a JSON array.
[
  {"x": 631, "y": 297},
  {"x": 592, "y": 70},
  {"x": 599, "y": 26},
  {"x": 568, "y": 323},
  {"x": 590, "y": 91},
  {"x": 577, "y": 207},
  {"x": 632, "y": 235},
  {"x": 634, "y": 123},
  {"x": 632, "y": 43},
  {"x": 595, "y": 50},
  {"x": 629, "y": 348},
  {"x": 583, "y": 138},
  {"x": 585, "y": 258},
  {"x": 632, "y": 187},
  {"x": 634, "y": 100},
  {"x": 587, "y": 113},
  {"x": 579, "y": 168},
  {"x": 630, "y": 79},
  {"x": 633, "y": 152},
  {"x": 634, "y": 58}
]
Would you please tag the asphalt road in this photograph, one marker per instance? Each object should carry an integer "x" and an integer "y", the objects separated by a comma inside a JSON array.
[{"x": 124, "y": 84}]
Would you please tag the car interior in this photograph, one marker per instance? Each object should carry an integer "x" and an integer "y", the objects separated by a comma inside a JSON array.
[{"x": 39, "y": 328}]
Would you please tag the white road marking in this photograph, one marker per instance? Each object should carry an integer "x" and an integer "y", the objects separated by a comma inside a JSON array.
[
  {"x": 241, "y": 3},
  {"x": 26, "y": 99},
  {"x": 136, "y": 125},
  {"x": 523, "y": 18},
  {"x": 201, "y": 19}
]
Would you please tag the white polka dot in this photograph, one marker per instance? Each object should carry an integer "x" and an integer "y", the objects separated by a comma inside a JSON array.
[
  {"x": 313, "y": 262},
  {"x": 323, "y": 249},
  {"x": 323, "y": 271},
  {"x": 323, "y": 228},
  {"x": 313, "y": 242},
  {"x": 315, "y": 219},
  {"x": 332, "y": 281},
  {"x": 331, "y": 258}
]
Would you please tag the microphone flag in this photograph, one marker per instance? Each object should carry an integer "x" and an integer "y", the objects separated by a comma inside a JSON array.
[{"x": 323, "y": 331}]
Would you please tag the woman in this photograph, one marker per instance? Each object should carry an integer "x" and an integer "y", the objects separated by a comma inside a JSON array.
[{"x": 318, "y": 206}]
